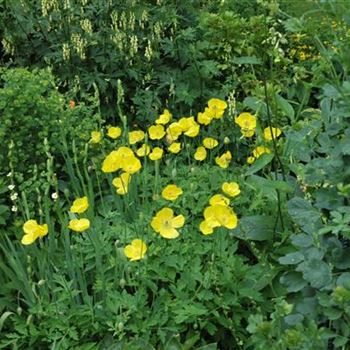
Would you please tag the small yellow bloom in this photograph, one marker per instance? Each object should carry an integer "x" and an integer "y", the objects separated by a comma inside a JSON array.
[
  {"x": 220, "y": 215},
  {"x": 204, "y": 118},
  {"x": 166, "y": 224},
  {"x": 164, "y": 118},
  {"x": 210, "y": 143},
  {"x": 111, "y": 162},
  {"x": 260, "y": 150},
  {"x": 268, "y": 136},
  {"x": 250, "y": 160},
  {"x": 122, "y": 183},
  {"x": 136, "y": 250},
  {"x": 156, "y": 154},
  {"x": 201, "y": 154},
  {"x": 96, "y": 136},
  {"x": 156, "y": 132},
  {"x": 219, "y": 199},
  {"x": 257, "y": 152},
  {"x": 79, "y": 205},
  {"x": 231, "y": 189},
  {"x": 79, "y": 225},
  {"x": 206, "y": 228},
  {"x": 217, "y": 107},
  {"x": 247, "y": 123},
  {"x": 136, "y": 136},
  {"x": 143, "y": 151},
  {"x": 114, "y": 132},
  {"x": 175, "y": 147},
  {"x": 171, "y": 192},
  {"x": 189, "y": 126},
  {"x": 224, "y": 160},
  {"x": 131, "y": 165},
  {"x": 33, "y": 231},
  {"x": 173, "y": 131}
]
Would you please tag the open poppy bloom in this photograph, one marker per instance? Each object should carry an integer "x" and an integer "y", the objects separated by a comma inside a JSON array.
[{"x": 166, "y": 224}]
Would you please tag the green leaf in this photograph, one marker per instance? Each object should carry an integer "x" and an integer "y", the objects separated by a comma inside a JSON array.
[
  {"x": 316, "y": 272},
  {"x": 260, "y": 163},
  {"x": 257, "y": 228},
  {"x": 173, "y": 344},
  {"x": 246, "y": 60},
  {"x": 293, "y": 281},
  {"x": 304, "y": 214},
  {"x": 3, "y": 318},
  {"x": 291, "y": 259},
  {"x": 286, "y": 107}
]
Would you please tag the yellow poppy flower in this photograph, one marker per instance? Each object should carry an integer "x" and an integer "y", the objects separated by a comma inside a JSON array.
[
  {"x": 250, "y": 160},
  {"x": 258, "y": 151},
  {"x": 220, "y": 215},
  {"x": 114, "y": 132},
  {"x": 156, "y": 154},
  {"x": 201, "y": 154},
  {"x": 217, "y": 107},
  {"x": 204, "y": 118},
  {"x": 131, "y": 165},
  {"x": 247, "y": 123},
  {"x": 206, "y": 228},
  {"x": 33, "y": 231},
  {"x": 136, "y": 136},
  {"x": 111, "y": 162},
  {"x": 156, "y": 132},
  {"x": 79, "y": 225},
  {"x": 210, "y": 143},
  {"x": 136, "y": 250},
  {"x": 79, "y": 205},
  {"x": 143, "y": 151},
  {"x": 122, "y": 183},
  {"x": 166, "y": 224},
  {"x": 164, "y": 118},
  {"x": 224, "y": 160},
  {"x": 268, "y": 136},
  {"x": 171, "y": 192},
  {"x": 189, "y": 126},
  {"x": 173, "y": 131},
  {"x": 96, "y": 136},
  {"x": 219, "y": 199},
  {"x": 175, "y": 147},
  {"x": 231, "y": 189}
]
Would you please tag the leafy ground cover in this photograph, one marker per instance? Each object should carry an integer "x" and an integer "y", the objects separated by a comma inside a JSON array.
[{"x": 174, "y": 175}]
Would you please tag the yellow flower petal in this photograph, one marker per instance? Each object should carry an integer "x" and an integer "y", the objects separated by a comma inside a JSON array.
[
  {"x": 268, "y": 135},
  {"x": 156, "y": 154},
  {"x": 171, "y": 192},
  {"x": 96, "y": 136},
  {"x": 175, "y": 147},
  {"x": 29, "y": 238},
  {"x": 231, "y": 189},
  {"x": 210, "y": 143},
  {"x": 79, "y": 205},
  {"x": 136, "y": 250},
  {"x": 219, "y": 199},
  {"x": 79, "y": 225},
  {"x": 156, "y": 132},
  {"x": 114, "y": 132},
  {"x": 136, "y": 136},
  {"x": 201, "y": 154}
]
